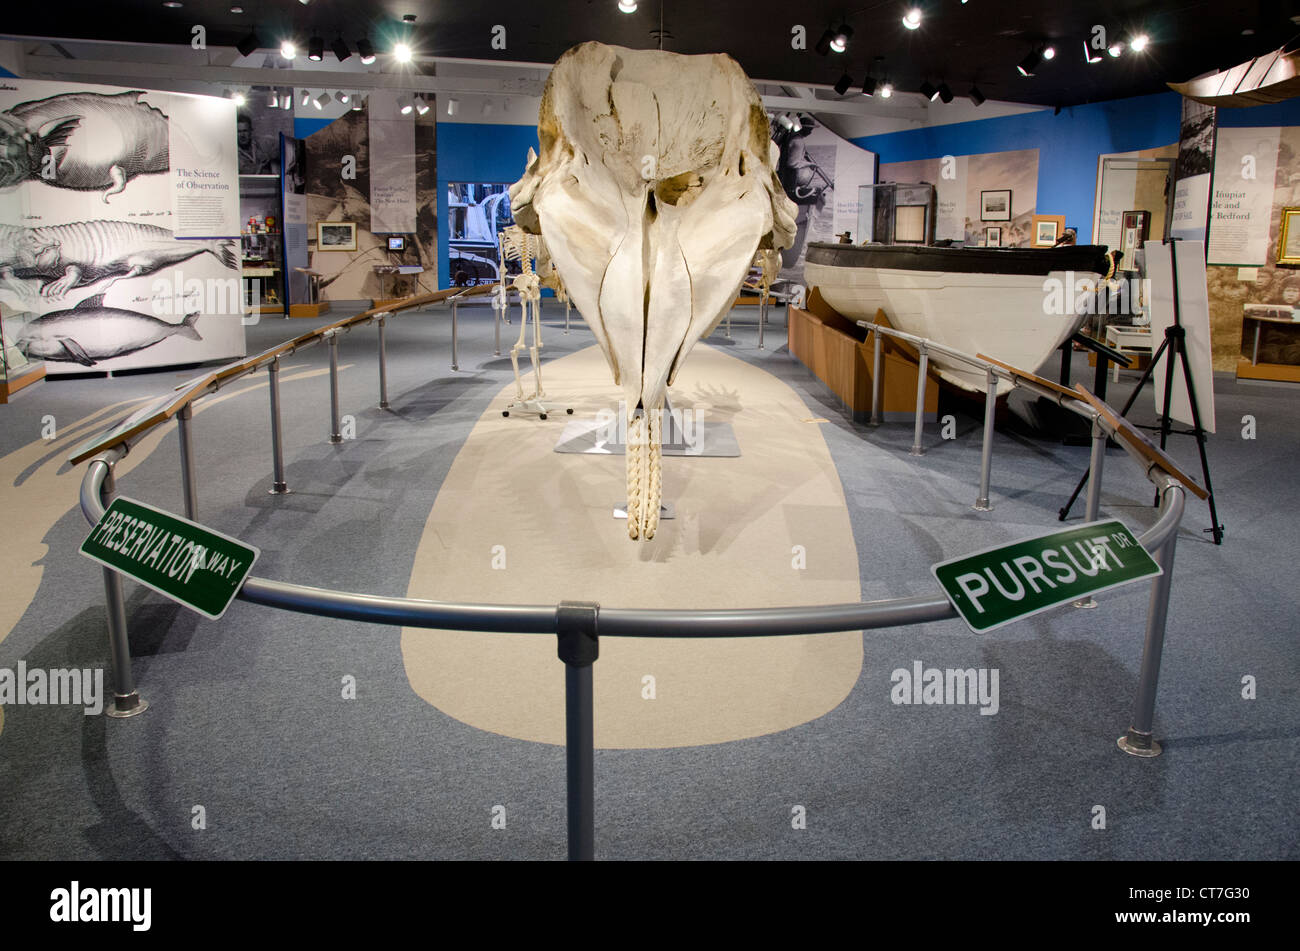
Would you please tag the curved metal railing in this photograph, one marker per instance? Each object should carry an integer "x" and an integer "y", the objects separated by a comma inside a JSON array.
[{"x": 579, "y": 625}]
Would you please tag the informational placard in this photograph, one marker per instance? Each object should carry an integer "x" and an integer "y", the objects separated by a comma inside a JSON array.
[
  {"x": 204, "y": 167},
  {"x": 1192, "y": 172},
  {"x": 392, "y": 165},
  {"x": 194, "y": 566},
  {"x": 1194, "y": 315},
  {"x": 1242, "y": 202},
  {"x": 1006, "y": 583}
]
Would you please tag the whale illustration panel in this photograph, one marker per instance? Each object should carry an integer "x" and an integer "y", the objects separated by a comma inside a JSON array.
[{"x": 119, "y": 213}]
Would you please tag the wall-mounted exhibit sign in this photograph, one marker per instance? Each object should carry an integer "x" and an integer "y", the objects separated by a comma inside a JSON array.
[
  {"x": 392, "y": 165},
  {"x": 821, "y": 173},
  {"x": 194, "y": 566},
  {"x": 1005, "y": 583},
  {"x": 1241, "y": 205},
  {"x": 119, "y": 226}
]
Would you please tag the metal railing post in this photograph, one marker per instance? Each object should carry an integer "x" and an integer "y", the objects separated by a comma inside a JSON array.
[
  {"x": 877, "y": 385},
  {"x": 923, "y": 369},
  {"x": 986, "y": 458},
  {"x": 496, "y": 324},
  {"x": 190, "y": 490},
  {"x": 383, "y": 364},
  {"x": 127, "y": 701},
  {"x": 278, "y": 485},
  {"x": 1096, "y": 460},
  {"x": 568, "y": 306},
  {"x": 1139, "y": 741},
  {"x": 336, "y": 434},
  {"x": 762, "y": 319},
  {"x": 455, "y": 356},
  {"x": 576, "y": 624}
]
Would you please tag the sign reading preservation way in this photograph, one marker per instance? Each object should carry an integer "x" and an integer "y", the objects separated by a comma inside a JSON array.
[
  {"x": 179, "y": 559},
  {"x": 999, "y": 585}
]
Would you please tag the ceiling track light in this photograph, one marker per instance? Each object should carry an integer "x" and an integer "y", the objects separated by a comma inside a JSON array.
[
  {"x": 356, "y": 103},
  {"x": 627, "y": 6},
  {"x": 316, "y": 49},
  {"x": 976, "y": 97},
  {"x": 408, "y": 104},
  {"x": 912, "y": 18},
  {"x": 886, "y": 89},
  {"x": 341, "y": 49},
  {"x": 249, "y": 44},
  {"x": 1115, "y": 50},
  {"x": 320, "y": 101},
  {"x": 842, "y": 84},
  {"x": 365, "y": 51},
  {"x": 421, "y": 106},
  {"x": 1139, "y": 43},
  {"x": 929, "y": 91},
  {"x": 402, "y": 52},
  {"x": 823, "y": 45},
  {"x": 453, "y": 106},
  {"x": 1031, "y": 62},
  {"x": 288, "y": 50},
  {"x": 306, "y": 97},
  {"x": 869, "y": 86},
  {"x": 342, "y": 96},
  {"x": 1087, "y": 54},
  {"x": 286, "y": 101},
  {"x": 273, "y": 100},
  {"x": 840, "y": 42},
  {"x": 945, "y": 93}
]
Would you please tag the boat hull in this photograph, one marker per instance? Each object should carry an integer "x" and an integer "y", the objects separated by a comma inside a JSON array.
[{"x": 1011, "y": 316}]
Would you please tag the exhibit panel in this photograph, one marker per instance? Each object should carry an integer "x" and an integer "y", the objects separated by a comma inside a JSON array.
[{"x": 127, "y": 251}]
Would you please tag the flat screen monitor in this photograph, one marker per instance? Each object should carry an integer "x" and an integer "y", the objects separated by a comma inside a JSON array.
[{"x": 396, "y": 242}]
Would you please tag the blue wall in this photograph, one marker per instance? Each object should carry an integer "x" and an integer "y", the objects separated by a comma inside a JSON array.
[
  {"x": 1068, "y": 145},
  {"x": 472, "y": 152}
]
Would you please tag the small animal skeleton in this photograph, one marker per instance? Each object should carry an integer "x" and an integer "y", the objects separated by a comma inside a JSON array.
[{"x": 517, "y": 245}]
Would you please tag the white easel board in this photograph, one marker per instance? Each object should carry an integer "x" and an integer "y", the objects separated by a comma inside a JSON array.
[{"x": 1194, "y": 315}]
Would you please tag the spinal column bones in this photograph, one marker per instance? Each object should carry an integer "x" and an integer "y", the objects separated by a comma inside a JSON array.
[{"x": 655, "y": 187}]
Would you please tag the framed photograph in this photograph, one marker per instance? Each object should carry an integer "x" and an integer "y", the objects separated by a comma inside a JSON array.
[
  {"x": 993, "y": 237},
  {"x": 1288, "y": 245},
  {"x": 995, "y": 205},
  {"x": 1047, "y": 229},
  {"x": 336, "y": 236}
]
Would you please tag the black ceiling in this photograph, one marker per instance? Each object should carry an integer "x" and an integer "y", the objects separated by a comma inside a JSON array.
[{"x": 978, "y": 41}]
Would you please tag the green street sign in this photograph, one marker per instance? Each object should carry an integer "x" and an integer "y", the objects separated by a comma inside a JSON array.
[
  {"x": 179, "y": 559},
  {"x": 999, "y": 585}
]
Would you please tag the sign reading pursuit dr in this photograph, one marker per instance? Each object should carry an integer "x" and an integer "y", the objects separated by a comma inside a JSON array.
[
  {"x": 179, "y": 559},
  {"x": 999, "y": 585}
]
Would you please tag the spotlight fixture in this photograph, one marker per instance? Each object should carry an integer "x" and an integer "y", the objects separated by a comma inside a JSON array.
[
  {"x": 173, "y": 4},
  {"x": 886, "y": 90},
  {"x": 912, "y": 19},
  {"x": 236, "y": 9},
  {"x": 249, "y": 44},
  {"x": 945, "y": 93},
  {"x": 288, "y": 50},
  {"x": 341, "y": 49},
  {"x": 1139, "y": 43},
  {"x": 929, "y": 91},
  {"x": 319, "y": 101},
  {"x": 286, "y": 101},
  {"x": 365, "y": 51},
  {"x": 823, "y": 45},
  {"x": 421, "y": 106},
  {"x": 783, "y": 120},
  {"x": 273, "y": 100},
  {"x": 977, "y": 98},
  {"x": 408, "y": 103},
  {"x": 1115, "y": 50},
  {"x": 342, "y": 97},
  {"x": 869, "y": 86},
  {"x": 627, "y": 6},
  {"x": 796, "y": 123},
  {"x": 306, "y": 98},
  {"x": 1087, "y": 54},
  {"x": 315, "y": 49},
  {"x": 842, "y": 84},
  {"x": 356, "y": 103},
  {"x": 402, "y": 52},
  {"x": 1049, "y": 52},
  {"x": 843, "y": 33},
  {"x": 453, "y": 106},
  {"x": 1031, "y": 62},
  {"x": 238, "y": 98}
]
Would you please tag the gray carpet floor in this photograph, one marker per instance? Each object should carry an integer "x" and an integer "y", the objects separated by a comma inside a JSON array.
[{"x": 247, "y": 719}]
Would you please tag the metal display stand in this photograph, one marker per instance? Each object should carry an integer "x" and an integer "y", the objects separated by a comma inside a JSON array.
[{"x": 1173, "y": 346}]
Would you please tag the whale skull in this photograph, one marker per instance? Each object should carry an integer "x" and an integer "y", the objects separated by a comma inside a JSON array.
[{"x": 655, "y": 187}]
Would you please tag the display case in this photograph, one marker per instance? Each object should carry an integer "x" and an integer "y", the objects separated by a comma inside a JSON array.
[
  {"x": 891, "y": 213},
  {"x": 16, "y": 369},
  {"x": 262, "y": 244}
]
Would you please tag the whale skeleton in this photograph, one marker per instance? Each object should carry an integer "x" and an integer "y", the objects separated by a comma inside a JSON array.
[{"x": 655, "y": 187}]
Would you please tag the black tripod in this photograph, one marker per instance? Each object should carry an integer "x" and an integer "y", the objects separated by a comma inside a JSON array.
[{"x": 1173, "y": 346}]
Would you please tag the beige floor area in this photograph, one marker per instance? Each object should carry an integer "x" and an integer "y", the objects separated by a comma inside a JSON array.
[{"x": 516, "y": 522}]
